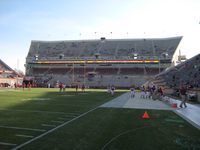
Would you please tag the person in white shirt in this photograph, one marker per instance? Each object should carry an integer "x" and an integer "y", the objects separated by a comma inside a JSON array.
[{"x": 132, "y": 92}]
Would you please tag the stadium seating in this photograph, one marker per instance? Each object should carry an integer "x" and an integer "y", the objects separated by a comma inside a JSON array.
[
  {"x": 186, "y": 73},
  {"x": 107, "y": 48},
  {"x": 8, "y": 77},
  {"x": 99, "y": 74}
]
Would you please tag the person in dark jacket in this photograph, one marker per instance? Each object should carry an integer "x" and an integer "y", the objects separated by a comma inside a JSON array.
[{"x": 183, "y": 94}]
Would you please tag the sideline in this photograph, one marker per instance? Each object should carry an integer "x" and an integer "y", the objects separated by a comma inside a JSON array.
[{"x": 50, "y": 131}]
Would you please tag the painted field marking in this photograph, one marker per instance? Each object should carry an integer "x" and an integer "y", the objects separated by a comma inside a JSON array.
[
  {"x": 78, "y": 113},
  {"x": 60, "y": 118},
  {"x": 20, "y": 128},
  {"x": 48, "y": 125},
  {"x": 74, "y": 105},
  {"x": 36, "y": 99},
  {"x": 10, "y": 90},
  {"x": 50, "y": 131},
  {"x": 9, "y": 144},
  {"x": 57, "y": 121},
  {"x": 33, "y": 111},
  {"x": 83, "y": 93},
  {"x": 67, "y": 95},
  {"x": 70, "y": 116},
  {"x": 174, "y": 120},
  {"x": 123, "y": 133},
  {"x": 26, "y": 136}
]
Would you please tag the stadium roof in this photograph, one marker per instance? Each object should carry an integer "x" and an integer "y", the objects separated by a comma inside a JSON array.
[{"x": 4, "y": 66}]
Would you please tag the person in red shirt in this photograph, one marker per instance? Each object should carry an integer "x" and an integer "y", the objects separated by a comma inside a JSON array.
[
  {"x": 83, "y": 88},
  {"x": 29, "y": 86}
]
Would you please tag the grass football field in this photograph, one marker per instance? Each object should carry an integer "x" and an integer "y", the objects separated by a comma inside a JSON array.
[{"x": 45, "y": 119}]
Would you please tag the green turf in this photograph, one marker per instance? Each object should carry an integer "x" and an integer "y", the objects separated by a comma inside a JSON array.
[
  {"x": 103, "y": 128},
  {"x": 123, "y": 129}
]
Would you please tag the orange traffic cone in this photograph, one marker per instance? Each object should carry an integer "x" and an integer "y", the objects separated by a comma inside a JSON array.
[{"x": 145, "y": 115}]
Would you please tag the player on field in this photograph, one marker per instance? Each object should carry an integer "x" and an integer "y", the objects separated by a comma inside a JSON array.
[{"x": 132, "y": 90}]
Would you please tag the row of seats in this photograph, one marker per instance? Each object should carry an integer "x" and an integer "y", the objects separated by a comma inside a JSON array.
[
  {"x": 187, "y": 73},
  {"x": 118, "y": 48},
  {"x": 100, "y": 71}
]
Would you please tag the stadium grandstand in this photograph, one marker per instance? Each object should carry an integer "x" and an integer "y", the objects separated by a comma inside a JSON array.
[
  {"x": 186, "y": 73},
  {"x": 9, "y": 77},
  {"x": 100, "y": 63}
]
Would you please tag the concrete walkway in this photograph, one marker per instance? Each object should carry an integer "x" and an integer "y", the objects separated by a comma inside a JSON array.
[
  {"x": 124, "y": 101},
  {"x": 191, "y": 113}
]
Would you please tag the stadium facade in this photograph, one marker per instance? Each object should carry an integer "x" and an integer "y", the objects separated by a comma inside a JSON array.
[
  {"x": 9, "y": 77},
  {"x": 100, "y": 63}
]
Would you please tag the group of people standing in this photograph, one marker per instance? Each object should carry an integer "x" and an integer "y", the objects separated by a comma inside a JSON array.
[
  {"x": 62, "y": 87},
  {"x": 146, "y": 92},
  {"x": 151, "y": 92},
  {"x": 158, "y": 93}
]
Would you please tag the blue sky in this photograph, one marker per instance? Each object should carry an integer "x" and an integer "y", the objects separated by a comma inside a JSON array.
[{"x": 24, "y": 20}]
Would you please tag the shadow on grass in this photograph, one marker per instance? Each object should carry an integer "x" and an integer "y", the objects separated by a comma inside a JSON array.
[
  {"x": 103, "y": 128},
  {"x": 29, "y": 111}
]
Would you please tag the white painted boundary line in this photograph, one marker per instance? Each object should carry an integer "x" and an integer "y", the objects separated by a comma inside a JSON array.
[
  {"x": 48, "y": 125},
  {"x": 60, "y": 118},
  {"x": 38, "y": 103},
  {"x": 34, "y": 111},
  {"x": 26, "y": 136},
  {"x": 9, "y": 144},
  {"x": 50, "y": 131},
  {"x": 75, "y": 113},
  {"x": 57, "y": 121},
  {"x": 20, "y": 128},
  {"x": 69, "y": 116}
]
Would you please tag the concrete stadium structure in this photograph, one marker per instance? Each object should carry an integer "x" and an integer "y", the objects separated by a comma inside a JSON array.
[
  {"x": 9, "y": 77},
  {"x": 186, "y": 73},
  {"x": 99, "y": 63}
]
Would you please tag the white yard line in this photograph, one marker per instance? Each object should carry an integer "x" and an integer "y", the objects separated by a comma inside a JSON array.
[
  {"x": 50, "y": 131},
  {"x": 48, "y": 125},
  {"x": 70, "y": 116},
  {"x": 23, "y": 135},
  {"x": 20, "y": 128},
  {"x": 60, "y": 118},
  {"x": 73, "y": 105},
  {"x": 9, "y": 144},
  {"x": 34, "y": 111},
  {"x": 56, "y": 121},
  {"x": 74, "y": 113}
]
